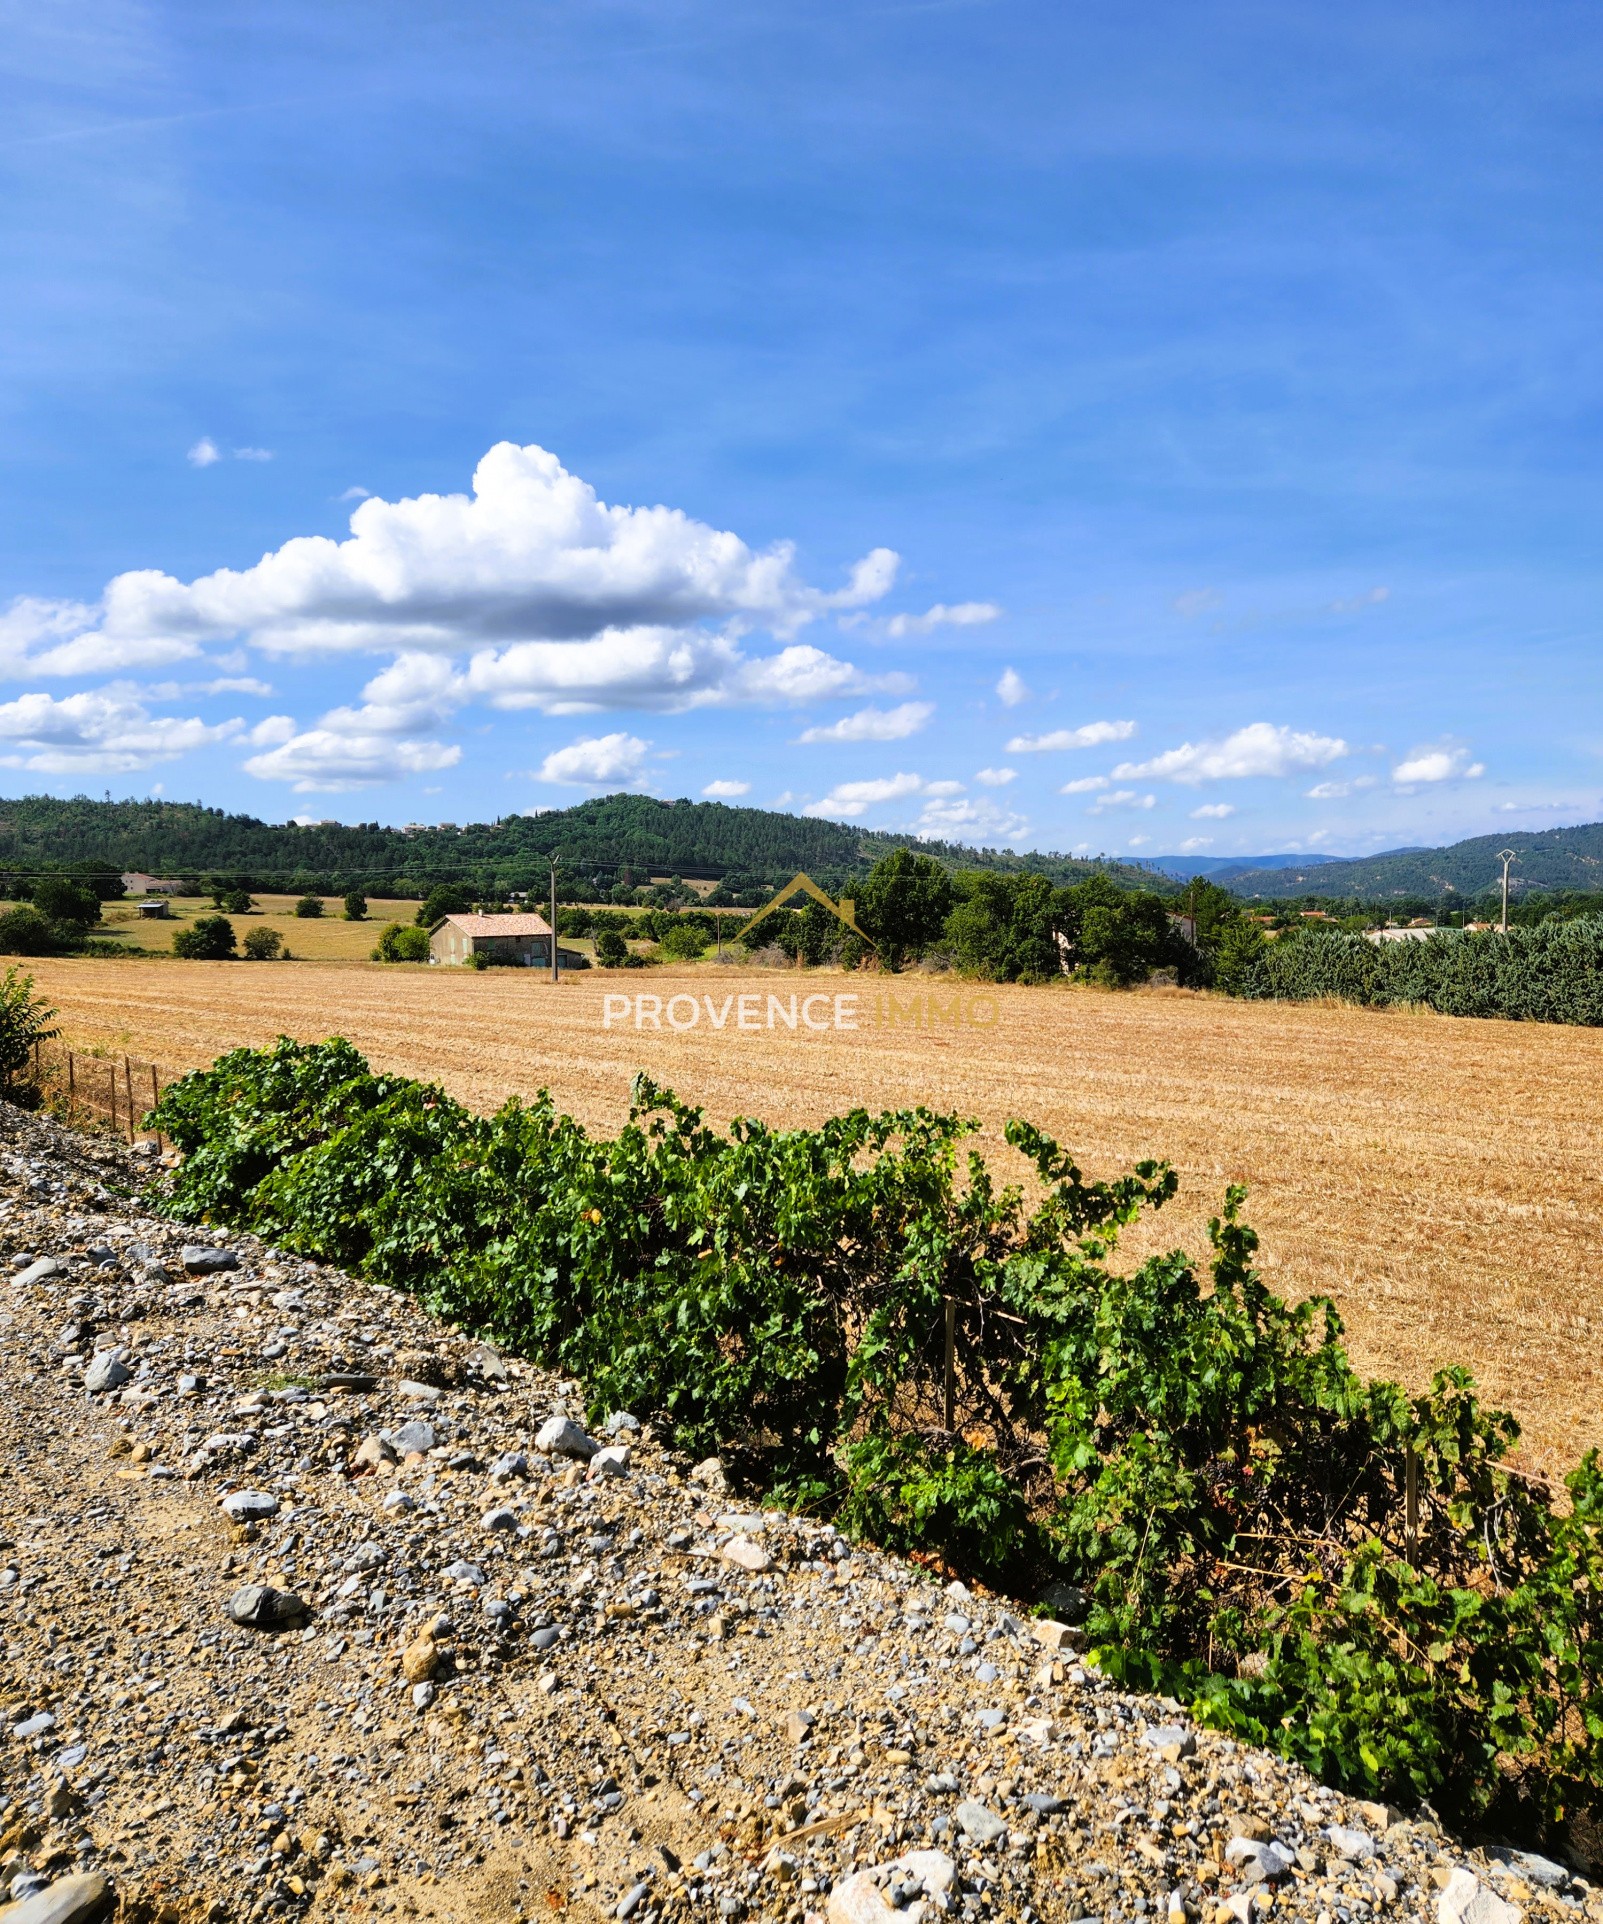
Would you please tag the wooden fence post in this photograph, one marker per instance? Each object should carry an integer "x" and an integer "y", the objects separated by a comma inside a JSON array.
[
  {"x": 951, "y": 1362},
  {"x": 72, "y": 1086},
  {"x": 1411, "y": 1501}
]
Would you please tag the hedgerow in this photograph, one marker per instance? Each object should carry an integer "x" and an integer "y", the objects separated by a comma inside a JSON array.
[
  {"x": 1199, "y": 1457},
  {"x": 1551, "y": 973}
]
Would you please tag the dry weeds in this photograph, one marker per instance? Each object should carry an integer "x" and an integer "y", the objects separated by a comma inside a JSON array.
[{"x": 1440, "y": 1178}]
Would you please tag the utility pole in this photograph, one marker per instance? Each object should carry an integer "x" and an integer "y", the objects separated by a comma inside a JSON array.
[
  {"x": 555, "y": 975},
  {"x": 1505, "y": 856}
]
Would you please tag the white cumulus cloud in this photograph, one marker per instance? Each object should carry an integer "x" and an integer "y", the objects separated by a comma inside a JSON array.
[
  {"x": 1448, "y": 762},
  {"x": 874, "y": 724},
  {"x": 104, "y": 731},
  {"x": 852, "y": 798},
  {"x": 1193, "y": 842},
  {"x": 531, "y": 554},
  {"x": 1012, "y": 688},
  {"x": 597, "y": 761},
  {"x": 981, "y": 820},
  {"x": 205, "y": 453},
  {"x": 723, "y": 791},
  {"x": 1090, "y": 735},
  {"x": 1086, "y": 785},
  {"x": 1259, "y": 749},
  {"x": 997, "y": 777},
  {"x": 1213, "y": 812}
]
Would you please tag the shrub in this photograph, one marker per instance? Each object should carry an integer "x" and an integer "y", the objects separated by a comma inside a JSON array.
[
  {"x": 24, "y": 931},
  {"x": 684, "y": 942},
  {"x": 356, "y": 906},
  {"x": 263, "y": 945},
  {"x": 1550, "y": 973},
  {"x": 233, "y": 901},
  {"x": 611, "y": 949},
  {"x": 209, "y": 938},
  {"x": 1201, "y": 1458},
  {"x": 25, "y": 1022},
  {"x": 309, "y": 906},
  {"x": 402, "y": 942}
]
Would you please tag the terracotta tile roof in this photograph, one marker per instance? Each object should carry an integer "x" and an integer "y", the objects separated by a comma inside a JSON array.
[{"x": 496, "y": 924}]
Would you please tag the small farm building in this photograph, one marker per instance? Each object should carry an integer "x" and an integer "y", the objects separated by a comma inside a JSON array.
[
  {"x": 156, "y": 909},
  {"x": 519, "y": 941}
]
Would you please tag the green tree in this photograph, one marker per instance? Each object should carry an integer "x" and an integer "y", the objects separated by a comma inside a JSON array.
[
  {"x": 209, "y": 938},
  {"x": 61, "y": 899},
  {"x": 402, "y": 942},
  {"x": 233, "y": 901},
  {"x": 904, "y": 905},
  {"x": 263, "y": 945},
  {"x": 309, "y": 907},
  {"x": 440, "y": 902},
  {"x": 611, "y": 949},
  {"x": 25, "y": 1022},
  {"x": 24, "y": 931},
  {"x": 1237, "y": 960},
  {"x": 356, "y": 906}
]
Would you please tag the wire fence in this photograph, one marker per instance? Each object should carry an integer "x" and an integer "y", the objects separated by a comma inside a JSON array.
[{"x": 116, "y": 1090}]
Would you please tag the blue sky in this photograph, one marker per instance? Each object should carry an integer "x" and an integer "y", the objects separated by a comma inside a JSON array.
[{"x": 1076, "y": 426}]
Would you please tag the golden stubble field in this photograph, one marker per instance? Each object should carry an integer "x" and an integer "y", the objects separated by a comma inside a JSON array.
[{"x": 1441, "y": 1179}]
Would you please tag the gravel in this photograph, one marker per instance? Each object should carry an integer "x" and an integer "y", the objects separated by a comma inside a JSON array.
[{"x": 274, "y": 1644}]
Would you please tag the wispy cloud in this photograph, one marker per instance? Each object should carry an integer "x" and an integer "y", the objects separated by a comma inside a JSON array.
[
  {"x": 1089, "y": 735},
  {"x": 962, "y": 614},
  {"x": 1012, "y": 688}
]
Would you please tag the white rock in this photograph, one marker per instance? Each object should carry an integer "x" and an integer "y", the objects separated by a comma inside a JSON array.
[
  {"x": 38, "y": 1272},
  {"x": 70, "y": 1900},
  {"x": 250, "y": 1506},
  {"x": 398, "y": 1503},
  {"x": 560, "y": 1437},
  {"x": 860, "y": 1898},
  {"x": 612, "y": 1461},
  {"x": 1467, "y": 1901},
  {"x": 107, "y": 1372},
  {"x": 746, "y": 1554},
  {"x": 1354, "y": 1845}
]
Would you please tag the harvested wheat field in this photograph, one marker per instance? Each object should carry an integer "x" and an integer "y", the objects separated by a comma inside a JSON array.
[{"x": 1442, "y": 1179}]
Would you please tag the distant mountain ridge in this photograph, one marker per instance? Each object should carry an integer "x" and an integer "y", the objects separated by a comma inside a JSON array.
[
  {"x": 1550, "y": 858},
  {"x": 1217, "y": 867}
]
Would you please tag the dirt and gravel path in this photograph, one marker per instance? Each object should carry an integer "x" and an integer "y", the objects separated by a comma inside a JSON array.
[{"x": 310, "y": 1607}]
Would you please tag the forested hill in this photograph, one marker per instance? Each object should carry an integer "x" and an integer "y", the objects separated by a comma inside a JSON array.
[
  {"x": 629, "y": 838},
  {"x": 1550, "y": 858}
]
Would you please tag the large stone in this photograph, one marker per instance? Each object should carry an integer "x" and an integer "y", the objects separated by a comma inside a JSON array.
[
  {"x": 747, "y": 1554},
  {"x": 1056, "y": 1636},
  {"x": 560, "y": 1436},
  {"x": 1265, "y": 1857},
  {"x": 70, "y": 1900},
  {"x": 41, "y": 1271},
  {"x": 200, "y": 1259},
  {"x": 1353, "y": 1845},
  {"x": 415, "y": 1437},
  {"x": 1466, "y": 1900},
  {"x": 107, "y": 1372},
  {"x": 249, "y": 1506},
  {"x": 871, "y": 1896},
  {"x": 612, "y": 1461},
  {"x": 260, "y": 1607},
  {"x": 420, "y": 1659},
  {"x": 979, "y": 1825}
]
